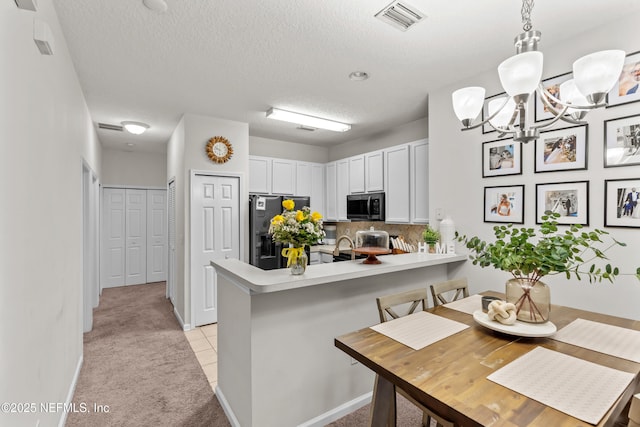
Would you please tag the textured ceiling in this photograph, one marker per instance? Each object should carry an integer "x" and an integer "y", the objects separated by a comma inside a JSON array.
[{"x": 234, "y": 59}]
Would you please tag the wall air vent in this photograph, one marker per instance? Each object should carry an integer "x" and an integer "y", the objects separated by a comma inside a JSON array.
[
  {"x": 108, "y": 126},
  {"x": 400, "y": 15}
]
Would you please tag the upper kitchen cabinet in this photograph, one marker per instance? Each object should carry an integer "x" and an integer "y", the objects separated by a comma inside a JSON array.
[
  {"x": 259, "y": 175},
  {"x": 419, "y": 155},
  {"x": 366, "y": 173},
  {"x": 331, "y": 186},
  {"x": 342, "y": 185},
  {"x": 310, "y": 182},
  {"x": 283, "y": 177},
  {"x": 374, "y": 171},
  {"x": 397, "y": 184},
  {"x": 272, "y": 176}
]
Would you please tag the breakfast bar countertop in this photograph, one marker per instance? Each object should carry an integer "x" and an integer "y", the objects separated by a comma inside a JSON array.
[{"x": 265, "y": 281}]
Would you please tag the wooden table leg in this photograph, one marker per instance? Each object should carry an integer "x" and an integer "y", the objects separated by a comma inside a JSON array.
[{"x": 383, "y": 404}]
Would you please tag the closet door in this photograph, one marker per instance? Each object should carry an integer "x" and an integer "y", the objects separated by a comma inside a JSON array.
[
  {"x": 156, "y": 235},
  {"x": 135, "y": 237},
  {"x": 112, "y": 252}
]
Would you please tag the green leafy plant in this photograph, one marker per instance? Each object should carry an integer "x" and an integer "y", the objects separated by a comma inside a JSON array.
[
  {"x": 430, "y": 235},
  {"x": 529, "y": 256}
]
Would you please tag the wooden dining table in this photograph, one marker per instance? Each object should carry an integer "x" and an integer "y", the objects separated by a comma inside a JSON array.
[{"x": 450, "y": 376}]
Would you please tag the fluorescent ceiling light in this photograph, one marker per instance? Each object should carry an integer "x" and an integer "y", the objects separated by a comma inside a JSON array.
[
  {"x": 301, "y": 119},
  {"x": 135, "y": 128}
]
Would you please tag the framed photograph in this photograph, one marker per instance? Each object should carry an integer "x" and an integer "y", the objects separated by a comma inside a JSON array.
[
  {"x": 486, "y": 128},
  {"x": 621, "y": 207},
  {"x": 561, "y": 149},
  {"x": 569, "y": 199},
  {"x": 541, "y": 111},
  {"x": 622, "y": 141},
  {"x": 501, "y": 157},
  {"x": 627, "y": 88},
  {"x": 504, "y": 204}
]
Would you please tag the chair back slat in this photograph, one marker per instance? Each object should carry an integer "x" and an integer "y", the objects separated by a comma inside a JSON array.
[{"x": 438, "y": 290}]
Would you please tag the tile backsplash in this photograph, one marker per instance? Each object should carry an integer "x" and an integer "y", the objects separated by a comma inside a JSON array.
[{"x": 412, "y": 233}]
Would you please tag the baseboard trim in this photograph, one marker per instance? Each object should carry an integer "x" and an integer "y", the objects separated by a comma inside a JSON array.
[
  {"x": 338, "y": 412},
  {"x": 72, "y": 390},
  {"x": 227, "y": 409},
  {"x": 184, "y": 326}
]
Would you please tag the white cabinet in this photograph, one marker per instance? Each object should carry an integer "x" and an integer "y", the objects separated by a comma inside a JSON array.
[
  {"x": 356, "y": 174},
  {"x": 374, "y": 171},
  {"x": 397, "y": 184},
  {"x": 310, "y": 182},
  {"x": 259, "y": 175},
  {"x": 419, "y": 181},
  {"x": 366, "y": 172},
  {"x": 283, "y": 175},
  {"x": 331, "y": 197},
  {"x": 317, "y": 188},
  {"x": 303, "y": 179},
  {"x": 342, "y": 185}
]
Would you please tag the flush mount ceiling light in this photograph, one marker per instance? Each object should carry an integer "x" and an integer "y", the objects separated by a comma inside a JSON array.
[
  {"x": 594, "y": 76},
  {"x": 358, "y": 76},
  {"x": 302, "y": 119},
  {"x": 135, "y": 128}
]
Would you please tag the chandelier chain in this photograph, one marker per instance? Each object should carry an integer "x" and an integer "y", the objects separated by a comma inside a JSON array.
[{"x": 527, "y": 7}]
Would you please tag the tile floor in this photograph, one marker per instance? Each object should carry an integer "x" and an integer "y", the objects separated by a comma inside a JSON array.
[{"x": 204, "y": 342}]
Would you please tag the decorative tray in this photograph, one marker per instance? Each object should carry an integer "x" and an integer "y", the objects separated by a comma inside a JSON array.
[{"x": 520, "y": 329}]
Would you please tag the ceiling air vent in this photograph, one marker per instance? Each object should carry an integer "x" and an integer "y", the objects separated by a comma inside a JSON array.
[
  {"x": 110, "y": 127},
  {"x": 400, "y": 15}
]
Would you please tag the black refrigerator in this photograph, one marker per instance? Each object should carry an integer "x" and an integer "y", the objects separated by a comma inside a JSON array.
[{"x": 264, "y": 253}]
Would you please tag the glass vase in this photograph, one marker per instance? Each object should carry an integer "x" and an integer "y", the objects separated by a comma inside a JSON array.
[
  {"x": 532, "y": 300},
  {"x": 299, "y": 264}
]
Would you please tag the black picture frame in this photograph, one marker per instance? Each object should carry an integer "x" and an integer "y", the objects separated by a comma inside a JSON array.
[
  {"x": 569, "y": 199},
  {"x": 501, "y": 157},
  {"x": 494, "y": 197},
  {"x": 564, "y": 149},
  {"x": 619, "y": 209},
  {"x": 552, "y": 84},
  {"x": 629, "y": 80},
  {"x": 622, "y": 141}
]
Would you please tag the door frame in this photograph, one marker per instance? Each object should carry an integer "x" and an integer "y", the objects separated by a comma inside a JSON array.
[
  {"x": 242, "y": 224},
  {"x": 91, "y": 290}
]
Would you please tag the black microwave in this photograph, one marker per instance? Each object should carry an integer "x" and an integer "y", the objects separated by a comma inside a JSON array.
[{"x": 365, "y": 207}]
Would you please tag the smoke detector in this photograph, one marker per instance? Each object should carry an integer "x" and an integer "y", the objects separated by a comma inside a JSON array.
[{"x": 400, "y": 15}]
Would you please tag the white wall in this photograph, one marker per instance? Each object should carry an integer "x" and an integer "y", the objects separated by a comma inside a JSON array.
[
  {"x": 287, "y": 150},
  {"x": 45, "y": 132},
  {"x": 408, "y": 132},
  {"x": 186, "y": 152},
  {"x": 132, "y": 168},
  {"x": 457, "y": 185}
]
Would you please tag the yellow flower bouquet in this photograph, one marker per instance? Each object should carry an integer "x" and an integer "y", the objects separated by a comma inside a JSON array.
[{"x": 297, "y": 228}]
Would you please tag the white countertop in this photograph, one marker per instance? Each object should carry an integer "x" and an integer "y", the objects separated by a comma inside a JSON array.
[{"x": 264, "y": 281}]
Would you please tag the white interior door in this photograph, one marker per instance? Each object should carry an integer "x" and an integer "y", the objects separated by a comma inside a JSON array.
[
  {"x": 112, "y": 265},
  {"x": 136, "y": 237},
  {"x": 215, "y": 234},
  {"x": 156, "y": 235},
  {"x": 171, "y": 215}
]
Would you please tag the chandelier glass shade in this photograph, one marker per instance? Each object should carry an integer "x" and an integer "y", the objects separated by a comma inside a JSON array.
[{"x": 594, "y": 76}]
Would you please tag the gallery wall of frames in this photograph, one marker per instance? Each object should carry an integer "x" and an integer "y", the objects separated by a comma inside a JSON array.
[{"x": 565, "y": 149}]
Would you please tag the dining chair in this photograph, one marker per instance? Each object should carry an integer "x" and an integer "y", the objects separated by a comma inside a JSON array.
[
  {"x": 438, "y": 291},
  {"x": 413, "y": 299}
]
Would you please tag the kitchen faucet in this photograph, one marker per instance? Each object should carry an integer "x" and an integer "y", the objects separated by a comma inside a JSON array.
[{"x": 336, "y": 251}]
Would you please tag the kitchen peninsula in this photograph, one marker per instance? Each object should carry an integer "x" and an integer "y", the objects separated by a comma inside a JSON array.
[{"x": 277, "y": 365}]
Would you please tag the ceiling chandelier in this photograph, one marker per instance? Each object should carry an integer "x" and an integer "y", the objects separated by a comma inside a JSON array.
[{"x": 594, "y": 75}]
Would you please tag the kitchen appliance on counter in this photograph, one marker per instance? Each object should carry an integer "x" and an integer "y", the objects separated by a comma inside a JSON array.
[
  {"x": 365, "y": 207},
  {"x": 264, "y": 253}
]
